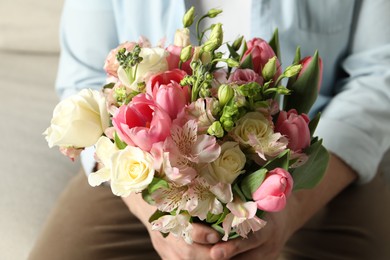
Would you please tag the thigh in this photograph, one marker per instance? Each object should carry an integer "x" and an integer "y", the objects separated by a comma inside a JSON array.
[
  {"x": 92, "y": 223},
  {"x": 354, "y": 225}
]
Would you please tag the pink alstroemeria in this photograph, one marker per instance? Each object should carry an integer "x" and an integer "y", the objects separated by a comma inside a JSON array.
[
  {"x": 142, "y": 123},
  {"x": 242, "y": 219},
  {"x": 203, "y": 198},
  {"x": 167, "y": 92},
  {"x": 186, "y": 150},
  {"x": 201, "y": 111}
]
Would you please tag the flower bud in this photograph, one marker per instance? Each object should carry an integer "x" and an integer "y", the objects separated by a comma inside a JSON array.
[
  {"x": 188, "y": 18},
  {"x": 213, "y": 12},
  {"x": 182, "y": 37},
  {"x": 225, "y": 94},
  {"x": 292, "y": 70},
  {"x": 185, "y": 53},
  {"x": 269, "y": 69},
  {"x": 215, "y": 40},
  {"x": 216, "y": 129},
  {"x": 237, "y": 43},
  {"x": 232, "y": 63}
]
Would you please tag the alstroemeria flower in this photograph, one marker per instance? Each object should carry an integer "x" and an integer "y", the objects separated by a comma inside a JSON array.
[
  {"x": 166, "y": 91},
  {"x": 142, "y": 123},
  {"x": 179, "y": 225},
  {"x": 201, "y": 111},
  {"x": 187, "y": 150},
  {"x": 242, "y": 219}
]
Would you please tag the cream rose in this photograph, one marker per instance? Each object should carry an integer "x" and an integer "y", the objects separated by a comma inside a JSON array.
[
  {"x": 154, "y": 61},
  {"x": 78, "y": 121},
  {"x": 132, "y": 171},
  {"x": 229, "y": 164},
  {"x": 256, "y": 131}
]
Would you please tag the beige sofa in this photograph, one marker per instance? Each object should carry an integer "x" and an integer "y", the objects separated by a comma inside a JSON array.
[{"x": 32, "y": 175}]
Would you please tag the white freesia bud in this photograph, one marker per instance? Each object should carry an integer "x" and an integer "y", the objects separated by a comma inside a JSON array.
[
  {"x": 132, "y": 171},
  {"x": 78, "y": 121},
  {"x": 182, "y": 37},
  {"x": 229, "y": 164}
]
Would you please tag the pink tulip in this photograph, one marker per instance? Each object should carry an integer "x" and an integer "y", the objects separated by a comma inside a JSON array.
[
  {"x": 295, "y": 127},
  {"x": 174, "y": 59},
  {"x": 272, "y": 194},
  {"x": 305, "y": 62},
  {"x": 142, "y": 123},
  {"x": 166, "y": 91},
  {"x": 261, "y": 52}
]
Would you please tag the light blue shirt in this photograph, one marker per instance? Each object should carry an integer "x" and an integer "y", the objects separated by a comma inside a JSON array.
[{"x": 353, "y": 39}]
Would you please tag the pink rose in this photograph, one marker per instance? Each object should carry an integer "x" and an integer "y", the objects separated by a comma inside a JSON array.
[
  {"x": 243, "y": 76},
  {"x": 174, "y": 59},
  {"x": 272, "y": 194},
  {"x": 261, "y": 52},
  {"x": 166, "y": 91},
  {"x": 295, "y": 127},
  {"x": 305, "y": 62},
  {"x": 142, "y": 123}
]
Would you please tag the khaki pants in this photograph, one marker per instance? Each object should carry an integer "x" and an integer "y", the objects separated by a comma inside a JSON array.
[{"x": 91, "y": 223}]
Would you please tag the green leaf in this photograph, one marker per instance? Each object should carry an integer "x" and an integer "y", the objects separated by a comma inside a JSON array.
[
  {"x": 156, "y": 215},
  {"x": 280, "y": 161},
  {"x": 313, "y": 123},
  {"x": 156, "y": 184},
  {"x": 274, "y": 43},
  {"x": 109, "y": 85},
  {"x": 118, "y": 142},
  {"x": 304, "y": 89},
  {"x": 310, "y": 174},
  {"x": 252, "y": 182},
  {"x": 247, "y": 63},
  {"x": 233, "y": 52}
]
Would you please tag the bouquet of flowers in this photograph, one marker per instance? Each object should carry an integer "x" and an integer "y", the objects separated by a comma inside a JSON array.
[{"x": 205, "y": 136}]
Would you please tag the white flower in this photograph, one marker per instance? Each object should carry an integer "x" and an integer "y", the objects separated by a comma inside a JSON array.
[
  {"x": 154, "y": 61},
  {"x": 104, "y": 151},
  {"x": 182, "y": 37},
  {"x": 132, "y": 171},
  {"x": 228, "y": 165},
  {"x": 256, "y": 131},
  {"x": 178, "y": 225},
  {"x": 78, "y": 121}
]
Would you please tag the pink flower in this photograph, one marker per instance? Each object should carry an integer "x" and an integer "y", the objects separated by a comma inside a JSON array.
[
  {"x": 261, "y": 52},
  {"x": 167, "y": 92},
  {"x": 305, "y": 62},
  {"x": 142, "y": 123},
  {"x": 174, "y": 59},
  {"x": 243, "y": 76},
  {"x": 272, "y": 194},
  {"x": 295, "y": 127}
]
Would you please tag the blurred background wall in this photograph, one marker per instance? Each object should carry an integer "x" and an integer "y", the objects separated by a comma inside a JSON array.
[{"x": 31, "y": 174}]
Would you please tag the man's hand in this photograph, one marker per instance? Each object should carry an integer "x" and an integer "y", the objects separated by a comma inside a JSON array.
[
  {"x": 173, "y": 247},
  {"x": 268, "y": 242}
]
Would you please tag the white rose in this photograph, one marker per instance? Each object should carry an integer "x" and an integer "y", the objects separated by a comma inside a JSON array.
[
  {"x": 132, "y": 171},
  {"x": 78, "y": 121},
  {"x": 229, "y": 164},
  {"x": 154, "y": 61},
  {"x": 252, "y": 125}
]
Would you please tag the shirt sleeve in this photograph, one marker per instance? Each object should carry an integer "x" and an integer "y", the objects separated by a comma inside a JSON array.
[
  {"x": 356, "y": 123},
  {"x": 88, "y": 33}
]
